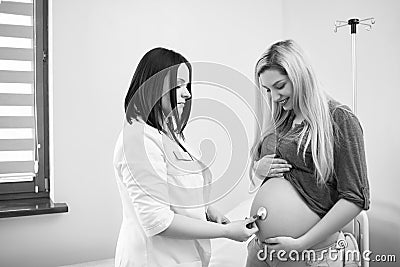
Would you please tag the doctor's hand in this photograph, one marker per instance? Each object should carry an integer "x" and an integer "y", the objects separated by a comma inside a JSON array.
[
  {"x": 238, "y": 231},
  {"x": 213, "y": 215},
  {"x": 271, "y": 167}
]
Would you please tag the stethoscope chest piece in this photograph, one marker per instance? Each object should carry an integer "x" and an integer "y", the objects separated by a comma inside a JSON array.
[{"x": 262, "y": 213}]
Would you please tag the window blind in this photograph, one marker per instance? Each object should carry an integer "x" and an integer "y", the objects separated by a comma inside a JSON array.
[{"x": 18, "y": 127}]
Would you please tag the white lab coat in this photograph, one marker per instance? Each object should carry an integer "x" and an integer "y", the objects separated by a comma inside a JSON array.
[{"x": 157, "y": 179}]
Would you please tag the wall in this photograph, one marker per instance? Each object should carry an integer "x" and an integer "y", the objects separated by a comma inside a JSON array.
[
  {"x": 96, "y": 46},
  {"x": 310, "y": 23}
]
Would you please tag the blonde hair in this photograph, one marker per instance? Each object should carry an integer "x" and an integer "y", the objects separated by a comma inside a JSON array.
[{"x": 308, "y": 99}]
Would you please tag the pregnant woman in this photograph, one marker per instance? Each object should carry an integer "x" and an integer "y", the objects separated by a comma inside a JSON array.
[{"x": 311, "y": 159}]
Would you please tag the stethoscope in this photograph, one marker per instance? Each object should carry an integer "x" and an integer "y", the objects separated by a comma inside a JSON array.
[{"x": 261, "y": 214}]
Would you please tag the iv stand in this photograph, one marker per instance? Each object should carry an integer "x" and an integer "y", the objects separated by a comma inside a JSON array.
[
  {"x": 364, "y": 234},
  {"x": 353, "y": 30}
]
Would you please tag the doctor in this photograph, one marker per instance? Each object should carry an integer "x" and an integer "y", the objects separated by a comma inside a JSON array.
[{"x": 162, "y": 184}]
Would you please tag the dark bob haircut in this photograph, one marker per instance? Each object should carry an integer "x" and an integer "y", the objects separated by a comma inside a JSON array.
[{"x": 146, "y": 89}]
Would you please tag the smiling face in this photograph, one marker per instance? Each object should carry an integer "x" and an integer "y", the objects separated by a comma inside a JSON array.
[
  {"x": 279, "y": 87},
  {"x": 182, "y": 93}
]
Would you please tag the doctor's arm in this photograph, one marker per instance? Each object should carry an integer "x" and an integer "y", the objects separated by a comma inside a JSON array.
[
  {"x": 183, "y": 227},
  {"x": 146, "y": 181}
]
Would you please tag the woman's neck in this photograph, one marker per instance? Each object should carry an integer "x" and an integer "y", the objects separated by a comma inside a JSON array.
[
  {"x": 298, "y": 117},
  {"x": 173, "y": 127}
]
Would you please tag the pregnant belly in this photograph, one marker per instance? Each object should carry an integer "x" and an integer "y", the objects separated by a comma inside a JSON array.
[{"x": 288, "y": 214}]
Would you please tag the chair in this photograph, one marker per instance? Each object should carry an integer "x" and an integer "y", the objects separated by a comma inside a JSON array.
[{"x": 359, "y": 227}]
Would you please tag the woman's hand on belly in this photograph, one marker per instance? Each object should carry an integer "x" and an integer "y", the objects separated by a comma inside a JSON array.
[
  {"x": 285, "y": 243},
  {"x": 271, "y": 167}
]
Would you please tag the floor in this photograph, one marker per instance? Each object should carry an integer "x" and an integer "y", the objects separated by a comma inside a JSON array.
[{"x": 101, "y": 263}]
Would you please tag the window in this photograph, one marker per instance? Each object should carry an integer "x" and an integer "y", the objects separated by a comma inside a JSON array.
[{"x": 24, "y": 125}]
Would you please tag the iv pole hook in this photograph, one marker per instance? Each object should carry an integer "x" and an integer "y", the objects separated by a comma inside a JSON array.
[{"x": 353, "y": 30}]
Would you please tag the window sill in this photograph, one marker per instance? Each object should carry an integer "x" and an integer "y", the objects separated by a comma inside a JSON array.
[{"x": 30, "y": 206}]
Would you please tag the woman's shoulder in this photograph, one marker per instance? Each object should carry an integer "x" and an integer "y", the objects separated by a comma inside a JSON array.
[
  {"x": 340, "y": 111},
  {"x": 343, "y": 117},
  {"x": 140, "y": 133}
]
